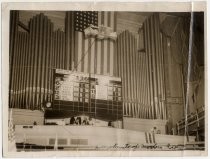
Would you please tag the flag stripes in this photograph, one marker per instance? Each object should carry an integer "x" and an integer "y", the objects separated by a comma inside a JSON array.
[
  {"x": 69, "y": 41},
  {"x": 98, "y": 55},
  {"x": 150, "y": 138},
  {"x": 11, "y": 131}
]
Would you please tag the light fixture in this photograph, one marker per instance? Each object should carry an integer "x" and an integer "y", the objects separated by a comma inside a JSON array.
[{"x": 48, "y": 104}]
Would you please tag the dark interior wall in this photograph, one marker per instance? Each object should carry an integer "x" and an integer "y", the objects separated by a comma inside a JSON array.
[
  {"x": 176, "y": 28},
  {"x": 198, "y": 29},
  {"x": 175, "y": 43}
]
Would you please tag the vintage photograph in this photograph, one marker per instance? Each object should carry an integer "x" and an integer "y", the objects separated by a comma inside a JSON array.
[{"x": 92, "y": 80}]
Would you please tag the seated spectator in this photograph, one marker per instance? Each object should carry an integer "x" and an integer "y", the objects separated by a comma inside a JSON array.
[
  {"x": 90, "y": 122},
  {"x": 85, "y": 121},
  {"x": 72, "y": 120},
  {"x": 110, "y": 123},
  {"x": 154, "y": 130},
  {"x": 78, "y": 121}
]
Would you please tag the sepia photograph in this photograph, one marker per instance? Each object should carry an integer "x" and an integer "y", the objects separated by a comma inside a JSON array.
[{"x": 106, "y": 80}]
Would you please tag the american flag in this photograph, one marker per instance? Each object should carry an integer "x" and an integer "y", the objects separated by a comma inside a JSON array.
[
  {"x": 11, "y": 133},
  {"x": 93, "y": 55},
  {"x": 85, "y": 19}
]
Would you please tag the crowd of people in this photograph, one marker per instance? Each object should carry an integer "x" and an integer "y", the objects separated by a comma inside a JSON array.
[{"x": 79, "y": 121}]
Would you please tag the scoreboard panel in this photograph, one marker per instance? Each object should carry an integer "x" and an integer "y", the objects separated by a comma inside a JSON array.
[{"x": 77, "y": 93}]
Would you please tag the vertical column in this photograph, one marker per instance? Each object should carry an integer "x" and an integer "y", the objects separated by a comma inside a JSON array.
[{"x": 14, "y": 18}]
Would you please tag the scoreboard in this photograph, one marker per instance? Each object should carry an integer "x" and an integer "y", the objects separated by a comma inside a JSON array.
[{"x": 77, "y": 93}]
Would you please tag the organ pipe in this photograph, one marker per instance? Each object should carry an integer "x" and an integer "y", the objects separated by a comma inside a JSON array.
[
  {"x": 142, "y": 73},
  {"x": 14, "y": 16},
  {"x": 155, "y": 63},
  {"x": 132, "y": 77},
  {"x": 32, "y": 64}
]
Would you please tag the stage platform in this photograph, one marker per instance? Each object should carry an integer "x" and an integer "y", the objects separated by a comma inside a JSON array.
[{"x": 76, "y": 137}]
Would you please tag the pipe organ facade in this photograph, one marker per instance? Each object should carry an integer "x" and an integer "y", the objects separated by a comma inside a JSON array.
[
  {"x": 36, "y": 52},
  {"x": 154, "y": 51},
  {"x": 35, "y": 56},
  {"x": 143, "y": 72}
]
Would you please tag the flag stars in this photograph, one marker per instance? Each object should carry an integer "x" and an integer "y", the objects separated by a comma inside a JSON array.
[{"x": 84, "y": 19}]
